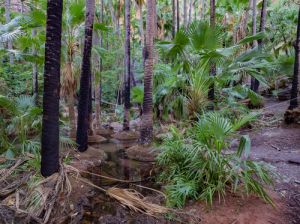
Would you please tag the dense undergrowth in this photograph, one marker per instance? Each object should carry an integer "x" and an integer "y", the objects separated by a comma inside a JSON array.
[{"x": 198, "y": 164}]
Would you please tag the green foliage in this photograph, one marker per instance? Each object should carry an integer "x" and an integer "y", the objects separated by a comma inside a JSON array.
[{"x": 197, "y": 165}]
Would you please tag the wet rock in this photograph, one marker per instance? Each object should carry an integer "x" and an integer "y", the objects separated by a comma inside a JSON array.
[
  {"x": 142, "y": 153},
  {"x": 93, "y": 139},
  {"x": 105, "y": 132},
  {"x": 135, "y": 124},
  {"x": 116, "y": 126}
]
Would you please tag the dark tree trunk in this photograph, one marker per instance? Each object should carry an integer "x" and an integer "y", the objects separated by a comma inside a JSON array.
[
  {"x": 50, "y": 126},
  {"x": 173, "y": 18},
  {"x": 84, "y": 92},
  {"x": 294, "y": 91},
  {"x": 178, "y": 15},
  {"x": 147, "y": 118},
  {"x": 211, "y": 92},
  {"x": 263, "y": 17},
  {"x": 127, "y": 67}
]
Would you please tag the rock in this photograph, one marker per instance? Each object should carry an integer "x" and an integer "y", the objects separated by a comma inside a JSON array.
[
  {"x": 126, "y": 135},
  {"x": 105, "y": 132},
  {"x": 135, "y": 124},
  {"x": 116, "y": 126},
  {"x": 96, "y": 139},
  {"x": 142, "y": 153}
]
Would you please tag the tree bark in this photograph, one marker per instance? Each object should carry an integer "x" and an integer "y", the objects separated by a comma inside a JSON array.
[
  {"x": 7, "y": 18},
  {"x": 50, "y": 123},
  {"x": 190, "y": 11},
  {"x": 141, "y": 22},
  {"x": 185, "y": 13},
  {"x": 173, "y": 18},
  {"x": 127, "y": 79},
  {"x": 98, "y": 85},
  {"x": 263, "y": 17},
  {"x": 85, "y": 77},
  {"x": 178, "y": 15},
  {"x": 147, "y": 117},
  {"x": 211, "y": 92},
  {"x": 294, "y": 90}
]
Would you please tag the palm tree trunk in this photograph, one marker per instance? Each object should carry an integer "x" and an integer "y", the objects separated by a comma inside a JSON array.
[
  {"x": 294, "y": 90},
  {"x": 155, "y": 20},
  {"x": 178, "y": 15},
  {"x": 263, "y": 17},
  {"x": 50, "y": 125},
  {"x": 185, "y": 13},
  {"x": 190, "y": 11},
  {"x": 7, "y": 18},
  {"x": 84, "y": 93},
  {"x": 203, "y": 9},
  {"x": 147, "y": 118},
  {"x": 98, "y": 86},
  {"x": 173, "y": 18},
  {"x": 72, "y": 116},
  {"x": 211, "y": 92},
  {"x": 35, "y": 87},
  {"x": 141, "y": 22},
  {"x": 127, "y": 79}
]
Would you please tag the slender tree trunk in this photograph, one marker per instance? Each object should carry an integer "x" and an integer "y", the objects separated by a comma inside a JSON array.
[
  {"x": 141, "y": 22},
  {"x": 185, "y": 13},
  {"x": 173, "y": 18},
  {"x": 127, "y": 67},
  {"x": 35, "y": 86},
  {"x": 190, "y": 11},
  {"x": 147, "y": 117},
  {"x": 263, "y": 17},
  {"x": 50, "y": 123},
  {"x": 155, "y": 20},
  {"x": 178, "y": 15},
  {"x": 7, "y": 18},
  {"x": 211, "y": 92},
  {"x": 98, "y": 86},
  {"x": 294, "y": 90},
  {"x": 203, "y": 9},
  {"x": 84, "y": 93}
]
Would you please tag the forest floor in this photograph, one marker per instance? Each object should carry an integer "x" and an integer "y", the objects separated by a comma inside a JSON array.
[{"x": 272, "y": 143}]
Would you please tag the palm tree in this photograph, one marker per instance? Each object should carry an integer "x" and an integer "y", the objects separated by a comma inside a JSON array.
[
  {"x": 100, "y": 67},
  {"x": 190, "y": 11},
  {"x": 178, "y": 14},
  {"x": 173, "y": 18},
  {"x": 139, "y": 10},
  {"x": 294, "y": 91},
  {"x": 50, "y": 125},
  {"x": 85, "y": 79},
  {"x": 211, "y": 93},
  {"x": 255, "y": 82},
  {"x": 7, "y": 18},
  {"x": 127, "y": 67},
  {"x": 185, "y": 13},
  {"x": 147, "y": 117}
]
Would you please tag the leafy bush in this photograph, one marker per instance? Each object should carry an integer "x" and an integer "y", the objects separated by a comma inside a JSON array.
[{"x": 197, "y": 165}]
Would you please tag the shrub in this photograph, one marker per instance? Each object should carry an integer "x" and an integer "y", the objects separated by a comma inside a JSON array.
[{"x": 197, "y": 165}]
